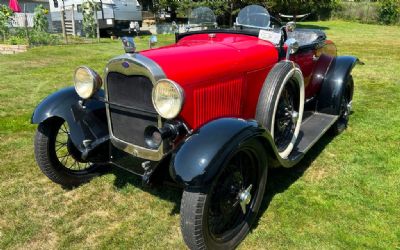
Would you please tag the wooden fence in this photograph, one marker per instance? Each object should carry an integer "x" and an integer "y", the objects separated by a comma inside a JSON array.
[{"x": 18, "y": 20}]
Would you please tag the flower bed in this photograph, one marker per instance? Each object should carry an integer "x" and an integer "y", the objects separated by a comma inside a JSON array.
[{"x": 12, "y": 49}]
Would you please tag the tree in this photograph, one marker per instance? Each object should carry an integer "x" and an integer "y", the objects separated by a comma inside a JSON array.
[
  {"x": 298, "y": 7},
  {"x": 229, "y": 8},
  {"x": 40, "y": 22}
]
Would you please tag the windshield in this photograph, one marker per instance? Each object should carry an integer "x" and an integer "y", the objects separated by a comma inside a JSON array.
[
  {"x": 253, "y": 16},
  {"x": 202, "y": 16}
]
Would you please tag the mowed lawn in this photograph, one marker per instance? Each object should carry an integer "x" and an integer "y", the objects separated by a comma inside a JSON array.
[{"x": 345, "y": 194}]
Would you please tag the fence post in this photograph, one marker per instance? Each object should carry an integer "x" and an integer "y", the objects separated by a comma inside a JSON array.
[
  {"x": 26, "y": 26},
  {"x": 64, "y": 31},
  {"x": 97, "y": 24},
  {"x": 73, "y": 20}
]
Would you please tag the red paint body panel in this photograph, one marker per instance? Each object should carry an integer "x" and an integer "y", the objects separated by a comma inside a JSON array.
[
  {"x": 222, "y": 75},
  {"x": 325, "y": 57},
  {"x": 197, "y": 58}
]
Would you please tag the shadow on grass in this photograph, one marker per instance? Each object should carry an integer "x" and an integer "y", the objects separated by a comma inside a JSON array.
[
  {"x": 310, "y": 26},
  {"x": 280, "y": 179},
  {"x": 165, "y": 192}
]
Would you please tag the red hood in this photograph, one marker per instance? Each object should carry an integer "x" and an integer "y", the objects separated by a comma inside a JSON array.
[{"x": 198, "y": 58}]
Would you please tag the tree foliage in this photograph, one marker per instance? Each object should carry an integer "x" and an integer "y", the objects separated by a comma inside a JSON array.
[
  {"x": 5, "y": 16},
  {"x": 89, "y": 21},
  {"x": 389, "y": 11},
  {"x": 229, "y": 8}
]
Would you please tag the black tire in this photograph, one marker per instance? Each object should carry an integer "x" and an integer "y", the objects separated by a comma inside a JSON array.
[
  {"x": 202, "y": 210},
  {"x": 345, "y": 108},
  {"x": 283, "y": 85},
  {"x": 66, "y": 171}
]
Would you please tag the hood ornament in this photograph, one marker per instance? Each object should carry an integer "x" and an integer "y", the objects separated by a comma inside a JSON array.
[{"x": 129, "y": 44}]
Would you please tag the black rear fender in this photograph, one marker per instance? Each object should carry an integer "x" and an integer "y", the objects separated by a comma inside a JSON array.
[
  {"x": 86, "y": 119},
  {"x": 334, "y": 84}
]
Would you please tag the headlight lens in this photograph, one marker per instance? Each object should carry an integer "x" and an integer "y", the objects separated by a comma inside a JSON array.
[
  {"x": 87, "y": 82},
  {"x": 168, "y": 98}
]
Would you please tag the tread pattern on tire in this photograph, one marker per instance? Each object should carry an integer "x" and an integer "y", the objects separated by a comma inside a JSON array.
[
  {"x": 192, "y": 208},
  {"x": 268, "y": 94}
]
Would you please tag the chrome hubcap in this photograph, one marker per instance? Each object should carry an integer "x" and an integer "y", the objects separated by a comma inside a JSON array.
[
  {"x": 295, "y": 116},
  {"x": 349, "y": 107},
  {"x": 245, "y": 198}
]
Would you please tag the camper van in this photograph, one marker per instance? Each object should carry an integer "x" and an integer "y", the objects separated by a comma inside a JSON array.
[{"x": 114, "y": 16}]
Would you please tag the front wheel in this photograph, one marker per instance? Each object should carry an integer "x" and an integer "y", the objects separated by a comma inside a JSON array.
[
  {"x": 222, "y": 216},
  {"x": 57, "y": 156}
]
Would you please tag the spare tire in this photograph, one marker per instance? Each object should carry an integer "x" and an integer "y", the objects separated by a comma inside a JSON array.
[{"x": 281, "y": 104}]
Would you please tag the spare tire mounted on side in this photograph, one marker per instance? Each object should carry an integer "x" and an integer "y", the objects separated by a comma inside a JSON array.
[{"x": 281, "y": 104}]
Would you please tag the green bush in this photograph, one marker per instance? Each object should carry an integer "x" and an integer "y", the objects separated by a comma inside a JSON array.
[
  {"x": 43, "y": 38},
  {"x": 16, "y": 40},
  {"x": 5, "y": 16},
  {"x": 389, "y": 11}
]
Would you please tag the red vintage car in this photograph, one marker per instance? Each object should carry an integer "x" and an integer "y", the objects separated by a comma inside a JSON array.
[{"x": 212, "y": 113}]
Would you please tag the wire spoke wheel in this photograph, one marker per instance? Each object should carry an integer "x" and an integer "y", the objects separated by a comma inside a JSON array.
[
  {"x": 225, "y": 212},
  {"x": 66, "y": 152},
  {"x": 58, "y": 157},
  {"x": 286, "y": 116},
  {"x": 222, "y": 216},
  {"x": 280, "y": 105}
]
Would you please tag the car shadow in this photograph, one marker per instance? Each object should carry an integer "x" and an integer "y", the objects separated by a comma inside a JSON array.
[
  {"x": 166, "y": 192},
  {"x": 280, "y": 179}
]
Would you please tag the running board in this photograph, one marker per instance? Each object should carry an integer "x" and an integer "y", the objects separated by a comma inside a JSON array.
[{"x": 311, "y": 130}]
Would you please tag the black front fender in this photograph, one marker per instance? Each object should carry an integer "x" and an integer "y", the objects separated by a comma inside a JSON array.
[
  {"x": 199, "y": 158},
  {"x": 86, "y": 119},
  {"x": 334, "y": 84}
]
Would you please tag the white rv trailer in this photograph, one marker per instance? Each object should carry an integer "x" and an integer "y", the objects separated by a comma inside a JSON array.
[{"x": 113, "y": 15}]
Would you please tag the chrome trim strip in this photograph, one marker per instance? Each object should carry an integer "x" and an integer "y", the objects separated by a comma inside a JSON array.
[{"x": 135, "y": 64}]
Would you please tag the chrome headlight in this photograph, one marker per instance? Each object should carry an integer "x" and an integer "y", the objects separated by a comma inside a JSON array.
[
  {"x": 87, "y": 82},
  {"x": 167, "y": 98}
]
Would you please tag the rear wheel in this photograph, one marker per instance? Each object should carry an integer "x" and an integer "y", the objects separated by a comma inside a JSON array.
[
  {"x": 221, "y": 217},
  {"x": 57, "y": 156},
  {"x": 281, "y": 104},
  {"x": 345, "y": 108}
]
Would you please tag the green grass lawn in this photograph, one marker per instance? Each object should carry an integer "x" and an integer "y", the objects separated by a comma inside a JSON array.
[{"x": 344, "y": 194}]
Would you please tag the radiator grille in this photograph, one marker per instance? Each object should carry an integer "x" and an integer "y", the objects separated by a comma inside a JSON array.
[
  {"x": 131, "y": 109},
  {"x": 218, "y": 99}
]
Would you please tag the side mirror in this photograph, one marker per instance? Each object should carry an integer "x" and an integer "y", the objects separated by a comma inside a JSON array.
[
  {"x": 293, "y": 47},
  {"x": 129, "y": 44},
  {"x": 152, "y": 41},
  {"x": 290, "y": 26}
]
